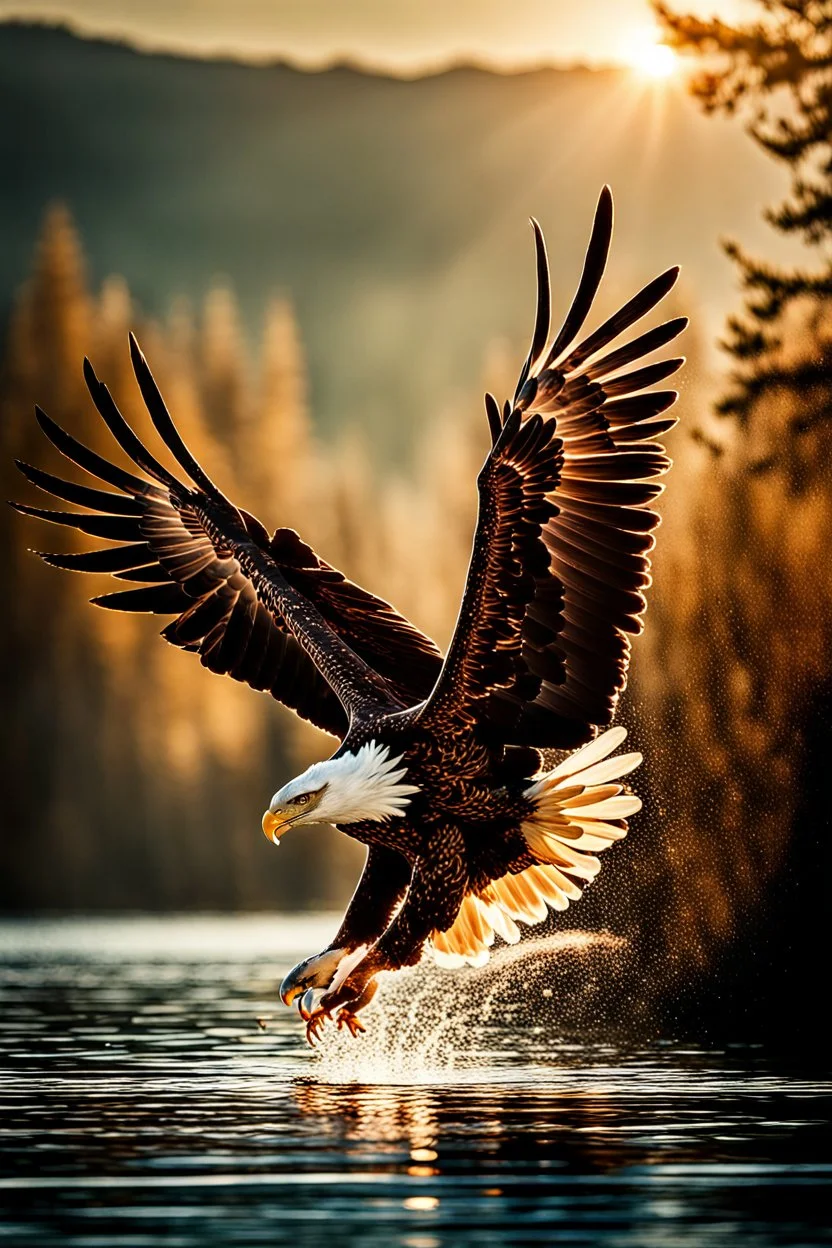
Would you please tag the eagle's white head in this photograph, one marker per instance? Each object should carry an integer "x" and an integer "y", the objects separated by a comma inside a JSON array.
[{"x": 347, "y": 789}]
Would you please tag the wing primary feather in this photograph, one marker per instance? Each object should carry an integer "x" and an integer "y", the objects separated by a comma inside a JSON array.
[
  {"x": 593, "y": 270},
  {"x": 123, "y": 434},
  {"x": 115, "y": 559},
  {"x": 645, "y": 344},
  {"x": 91, "y": 461},
  {"x": 83, "y": 495},
  {"x": 632, "y": 311},
  {"x": 158, "y": 600},
  {"x": 543, "y": 313},
  {"x": 638, "y": 407},
  {"x": 640, "y": 435},
  {"x": 115, "y": 528},
  {"x": 641, "y": 378},
  {"x": 163, "y": 422},
  {"x": 495, "y": 423},
  {"x": 151, "y": 575}
]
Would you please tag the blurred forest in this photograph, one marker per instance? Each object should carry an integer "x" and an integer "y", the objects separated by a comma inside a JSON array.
[
  {"x": 740, "y": 667},
  {"x": 134, "y": 779}
]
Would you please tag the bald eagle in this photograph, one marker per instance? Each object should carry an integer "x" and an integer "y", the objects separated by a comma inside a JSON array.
[{"x": 441, "y": 770}]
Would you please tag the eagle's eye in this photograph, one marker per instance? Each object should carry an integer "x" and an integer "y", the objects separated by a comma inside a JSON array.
[{"x": 302, "y": 799}]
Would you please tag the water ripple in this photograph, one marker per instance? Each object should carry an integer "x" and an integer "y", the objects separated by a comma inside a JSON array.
[{"x": 153, "y": 1092}]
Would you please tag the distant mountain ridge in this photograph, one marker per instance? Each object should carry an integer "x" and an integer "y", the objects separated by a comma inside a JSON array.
[
  {"x": 393, "y": 211},
  {"x": 366, "y": 68}
]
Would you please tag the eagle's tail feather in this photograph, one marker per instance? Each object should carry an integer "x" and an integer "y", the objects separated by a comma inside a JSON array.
[{"x": 579, "y": 810}]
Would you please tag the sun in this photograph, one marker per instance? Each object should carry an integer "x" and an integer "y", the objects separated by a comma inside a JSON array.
[{"x": 653, "y": 60}]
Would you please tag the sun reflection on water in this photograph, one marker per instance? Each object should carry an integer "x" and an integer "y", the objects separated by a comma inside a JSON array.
[{"x": 140, "y": 1093}]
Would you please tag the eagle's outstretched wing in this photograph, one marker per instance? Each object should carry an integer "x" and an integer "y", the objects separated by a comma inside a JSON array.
[
  {"x": 561, "y": 552},
  {"x": 185, "y": 545}
]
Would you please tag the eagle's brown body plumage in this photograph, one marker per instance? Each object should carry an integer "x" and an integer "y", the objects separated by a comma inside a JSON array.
[{"x": 439, "y": 770}]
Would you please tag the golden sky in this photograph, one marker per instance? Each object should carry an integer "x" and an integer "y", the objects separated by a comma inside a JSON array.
[{"x": 402, "y": 35}]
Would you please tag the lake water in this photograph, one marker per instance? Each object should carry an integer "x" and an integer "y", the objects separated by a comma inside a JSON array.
[{"x": 154, "y": 1092}]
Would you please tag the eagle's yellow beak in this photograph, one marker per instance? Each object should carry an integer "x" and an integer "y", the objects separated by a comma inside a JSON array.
[{"x": 272, "y": 825}]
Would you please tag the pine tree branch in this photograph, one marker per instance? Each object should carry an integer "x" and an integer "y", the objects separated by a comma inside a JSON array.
[
  {"x": 809, "y": 212},
  {"x": 781, "y": 67},
  {"x": 811, "y": 379}
]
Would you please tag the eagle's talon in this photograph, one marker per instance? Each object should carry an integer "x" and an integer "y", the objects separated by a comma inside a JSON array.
[
  {"x": 348, "y": 995},
  {"x": 354, "y": 993},
  {"x": 315, "y": 1026},
  {"x": 351, "y": 1021}
]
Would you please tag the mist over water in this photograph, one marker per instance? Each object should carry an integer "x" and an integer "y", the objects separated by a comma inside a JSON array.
[{"x": 144, "y": 1103}]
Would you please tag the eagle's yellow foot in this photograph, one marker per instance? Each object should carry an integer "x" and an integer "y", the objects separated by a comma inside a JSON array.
[
  {"x": 315, "y": 1026},
  {"x": 347, "y": 1019}
]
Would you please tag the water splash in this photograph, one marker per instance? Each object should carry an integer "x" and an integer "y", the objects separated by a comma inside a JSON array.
[{"x": 432, "y": 1026}]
